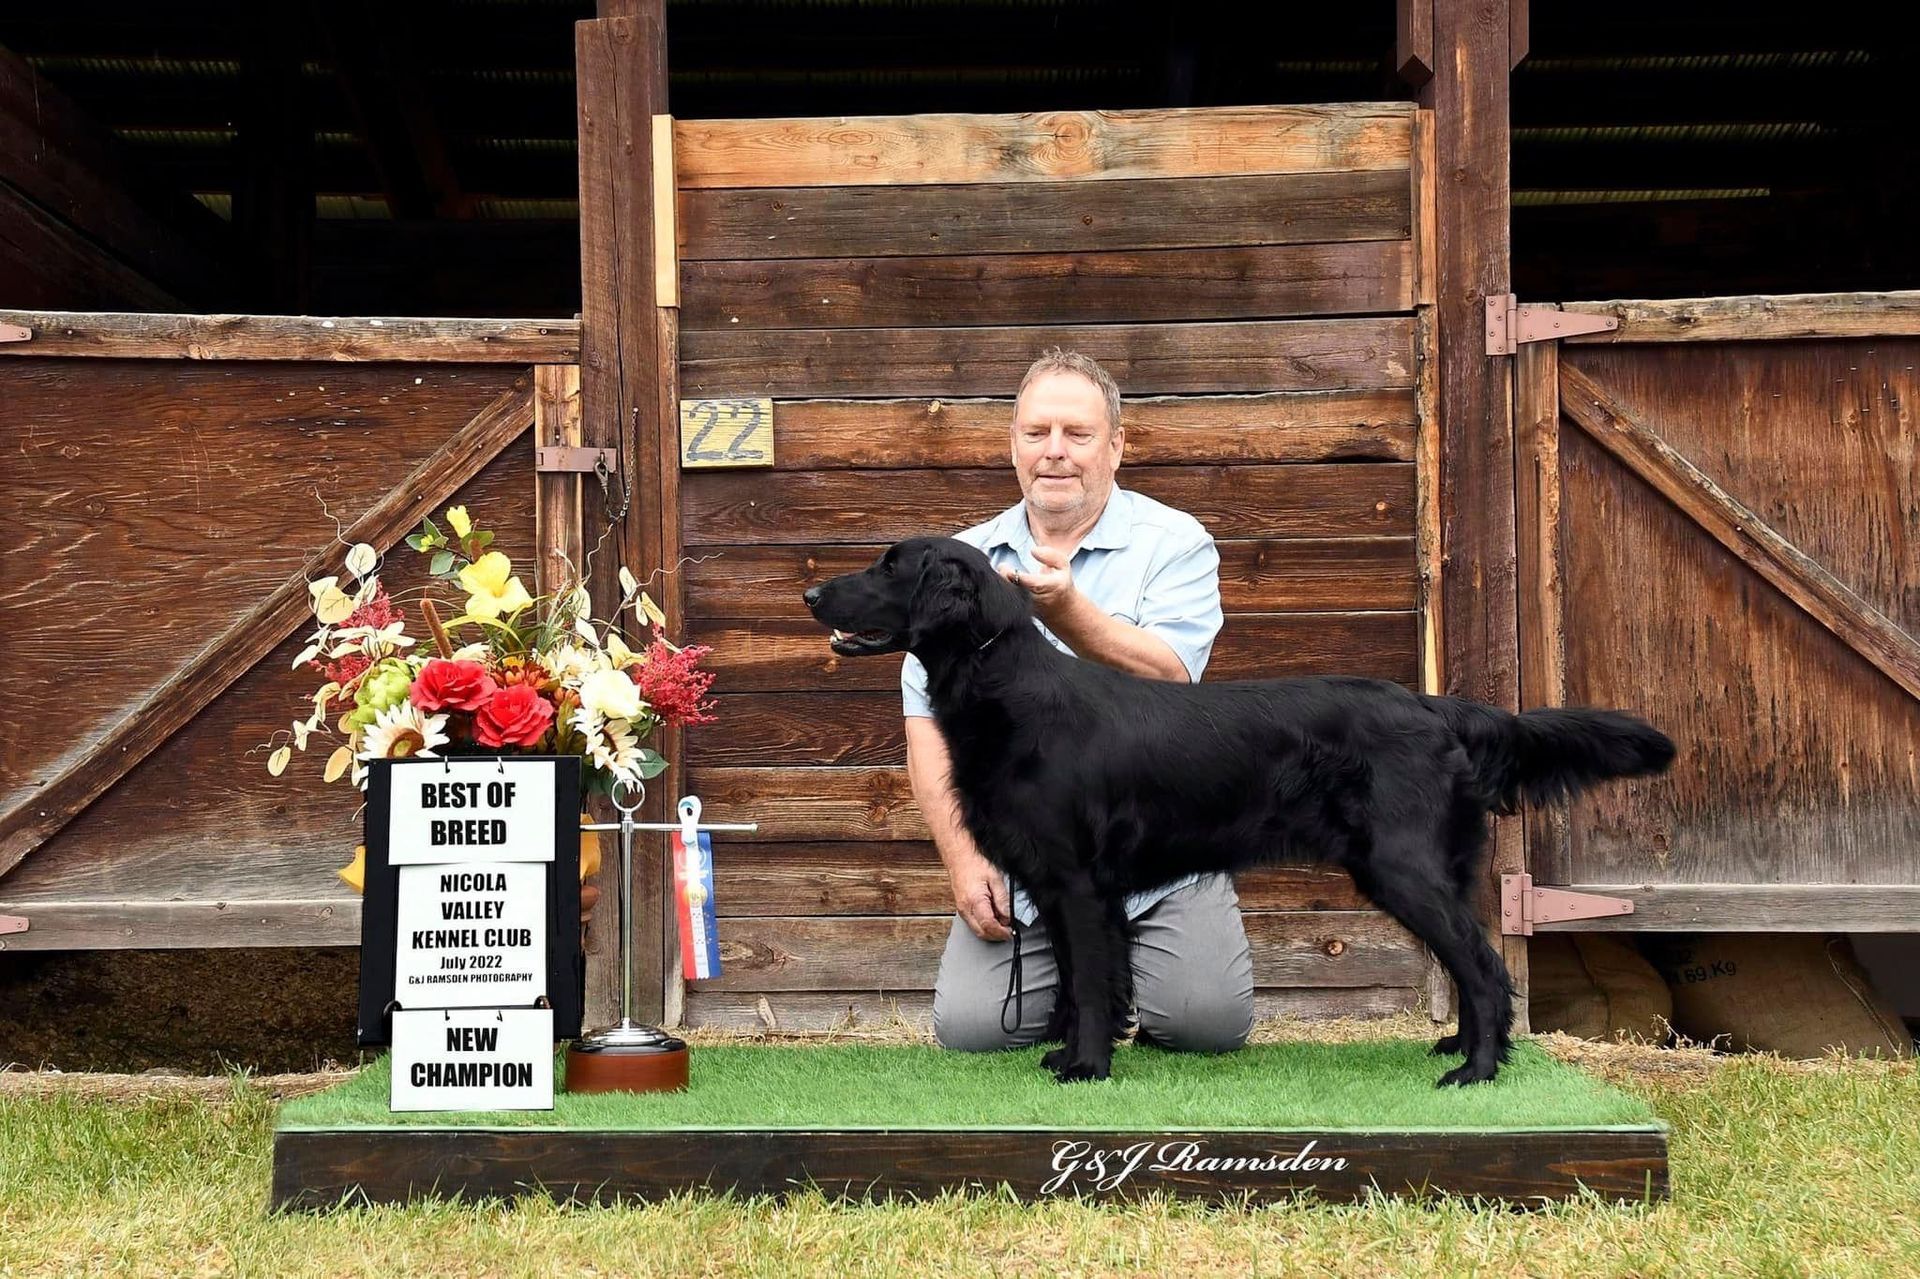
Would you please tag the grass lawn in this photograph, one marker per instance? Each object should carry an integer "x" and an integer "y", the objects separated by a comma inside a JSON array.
[
  {"x": 1778, "y": 1168},
  {"x": 1375, "y": 1084}
]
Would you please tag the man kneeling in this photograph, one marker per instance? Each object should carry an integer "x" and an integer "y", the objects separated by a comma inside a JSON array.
[{"x": 1120, "y": 579}]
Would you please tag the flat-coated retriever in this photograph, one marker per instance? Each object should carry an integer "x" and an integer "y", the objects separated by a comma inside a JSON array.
[{"x": 1087, "y": 784}]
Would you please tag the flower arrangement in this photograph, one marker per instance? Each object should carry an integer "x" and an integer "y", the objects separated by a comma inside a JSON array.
[{"x": 509, "y": 672}]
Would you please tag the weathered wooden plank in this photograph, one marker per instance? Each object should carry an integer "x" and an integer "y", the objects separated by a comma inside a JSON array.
[
  {"x": 902, "y": 952},
  {"x": 1755, "y": 908},
  {"x": 626, "y": 387},
  {"x": 157, "y": 925},
  {"x": 1296, "y": 426},
  {"x": 811, "y": 804},
  {"x": 1256, "y": 575},
  {"x": 1426, "y": 225},
  {"x": 1763, "y": 318},
  {"x": 808, "y": 1012},
  {"x": 1042, "y": 217},
  {"x": 864, "y": 507},
  {"x": 1145, "y": 359},
  {"x": 1469, "y": 95},
  {"x": 557, "y": 494},
  {"x": 779, "y": 655},
  {"x": 319, "y": 1169},
  {"x": 1857, "y": 623},
  {"x": 294, "y": 337},
  {"x": 1542, "y": 611},
  {"x": 93, "y": 765},
  {"x": 905, "y": 877},
  {"x": 1049, "y": 288},
  {"x": 1426, "y": 514},
  {"x": 800, "y": 728},
  {"x": 1042, "y": 146}
]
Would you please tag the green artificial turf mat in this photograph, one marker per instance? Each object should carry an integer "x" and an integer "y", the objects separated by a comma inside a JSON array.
[{"x": 1384, "y": 1085}]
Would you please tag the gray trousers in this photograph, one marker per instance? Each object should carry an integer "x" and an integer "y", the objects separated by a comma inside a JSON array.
[{"x": 1192, "y": 978}]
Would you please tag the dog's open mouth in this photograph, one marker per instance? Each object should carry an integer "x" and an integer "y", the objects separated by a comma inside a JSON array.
[{"x": 861, "y": 643}]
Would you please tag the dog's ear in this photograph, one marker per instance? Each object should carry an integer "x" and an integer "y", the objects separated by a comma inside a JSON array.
[{"x": 964, "y": 602}]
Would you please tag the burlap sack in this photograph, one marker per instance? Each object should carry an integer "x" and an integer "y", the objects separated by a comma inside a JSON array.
[
  {"x": 1595, "y": 986},
  {"x": 1796, "y": 994}
]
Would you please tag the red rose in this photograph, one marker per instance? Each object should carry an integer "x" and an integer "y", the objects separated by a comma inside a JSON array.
[
  {"x": 442, "y": 685},
  {"x": 516, "y": 716}
]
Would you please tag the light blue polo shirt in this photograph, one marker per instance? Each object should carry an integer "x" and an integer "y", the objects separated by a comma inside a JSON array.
[{"x": 1142, "y": 562}]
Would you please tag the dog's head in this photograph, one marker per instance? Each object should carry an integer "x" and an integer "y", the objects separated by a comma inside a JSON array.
[{"x": 923, "y": 595}]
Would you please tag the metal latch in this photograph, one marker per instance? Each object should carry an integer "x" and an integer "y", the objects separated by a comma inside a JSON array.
[
  {"x": 563, "y": 457},
  {"x": 1509, "y": 324},
  {"x": 1522, "y": 906},
  {"x": 15, "y": 333},
  {"x": 12, "y": 924}
]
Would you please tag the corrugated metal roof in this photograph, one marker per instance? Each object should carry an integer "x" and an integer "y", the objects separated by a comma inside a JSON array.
[{"x": 1536, "y": 199}]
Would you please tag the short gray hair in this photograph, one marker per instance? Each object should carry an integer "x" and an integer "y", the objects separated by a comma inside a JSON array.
[{"x": 1055, "y": 360}]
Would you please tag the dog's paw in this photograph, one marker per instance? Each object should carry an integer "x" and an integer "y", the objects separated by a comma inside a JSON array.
[
  {"x": 1460, "y": 1076},
  {"x": 1077, "y": 1070},
  {"x": 1055, "y": 1060},
  {"x": 1445, "y": 1046}
]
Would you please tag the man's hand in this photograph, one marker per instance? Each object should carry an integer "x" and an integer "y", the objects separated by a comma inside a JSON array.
[
  {"x": 1052, "y": 587},
  {"x": 980, "y": 895}
]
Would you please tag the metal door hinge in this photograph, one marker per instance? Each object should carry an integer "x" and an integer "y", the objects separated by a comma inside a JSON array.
[
  {"x": 15, "y": 333},
  {"x": 12, "y": 924},
  {"x": 1522, "y": 905},
  {"x": 1509, "y": 324},
  {"x": 561, "y": 457}
]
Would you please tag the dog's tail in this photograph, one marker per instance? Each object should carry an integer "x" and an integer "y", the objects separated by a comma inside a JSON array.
[{"x": 1545, "y": 755}]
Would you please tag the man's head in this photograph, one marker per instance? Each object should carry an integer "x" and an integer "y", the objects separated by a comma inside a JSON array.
[{"x": 1067, "y": 436}]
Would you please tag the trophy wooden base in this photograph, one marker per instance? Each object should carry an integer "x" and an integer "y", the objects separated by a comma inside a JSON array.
[{"x": 627, "y": 1058}]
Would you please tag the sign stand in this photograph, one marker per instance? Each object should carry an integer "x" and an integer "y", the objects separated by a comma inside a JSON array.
[{"x": 629, "y": 1056}]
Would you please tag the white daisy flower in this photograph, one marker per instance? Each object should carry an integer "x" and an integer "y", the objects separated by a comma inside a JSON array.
[{"x": 402, "y": 731}]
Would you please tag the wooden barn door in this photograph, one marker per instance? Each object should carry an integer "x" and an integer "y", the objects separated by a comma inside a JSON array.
[
  {"x": 173, "y": 482},
  {"x": 1720, "y": 510},
  {"x": 879, "y": 286}
]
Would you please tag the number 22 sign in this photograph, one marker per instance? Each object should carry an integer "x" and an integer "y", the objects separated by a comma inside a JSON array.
[{"x": 726, "y": 433}]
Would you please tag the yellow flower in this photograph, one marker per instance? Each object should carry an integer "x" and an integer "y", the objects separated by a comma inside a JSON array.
[
  {"x": 493, "y": 588},
  {"x": 457, "y": 517}
]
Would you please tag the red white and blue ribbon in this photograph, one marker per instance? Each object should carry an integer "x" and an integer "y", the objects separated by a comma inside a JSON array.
[{"x": 693, "y": 895}]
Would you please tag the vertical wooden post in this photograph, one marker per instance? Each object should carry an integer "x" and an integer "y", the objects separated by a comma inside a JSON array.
[
  {"x": 621, "y": 65},
  {"x": 557, "y": 513},
  {"x": 1543, "y": 656},
  {"x": 1469, "y": 97}
]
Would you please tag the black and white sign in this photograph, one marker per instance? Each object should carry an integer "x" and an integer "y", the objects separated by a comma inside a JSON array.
[
  {"x": 471, "y": 935},
  {"x": 473, "y": 1059},
  {"x": 487, "y": 917},
  {"x": 474, "y": 810}
]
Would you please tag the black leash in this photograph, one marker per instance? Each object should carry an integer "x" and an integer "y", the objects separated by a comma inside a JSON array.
[{"x": 1015, "y": 989}]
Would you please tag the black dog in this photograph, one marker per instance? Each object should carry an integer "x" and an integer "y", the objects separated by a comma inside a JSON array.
[{"x": 1087, "y": 784}]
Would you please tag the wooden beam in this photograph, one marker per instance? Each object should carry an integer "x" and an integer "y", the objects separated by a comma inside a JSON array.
[
  {"x": 1753, "y": 908},
  {"x": 558, "y": 511},
  {"x": 1042, "y": 146},
  {"x": 1852, "y": 620},
  {"x": 1751, "y": 319},
  {"x": 116, "y": 336},
  {"x": 621, "y": 74},
  {"x": 1479, "y": 643},
  {"x": 1413, "y": 41},
  {"x": 95, "y": 765},
  {"x": 196, "y": 925},
  {"x": 1543, "y": 641}
]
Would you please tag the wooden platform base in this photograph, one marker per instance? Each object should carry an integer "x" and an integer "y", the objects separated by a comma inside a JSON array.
[{"x": 319, "y": 1168}]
